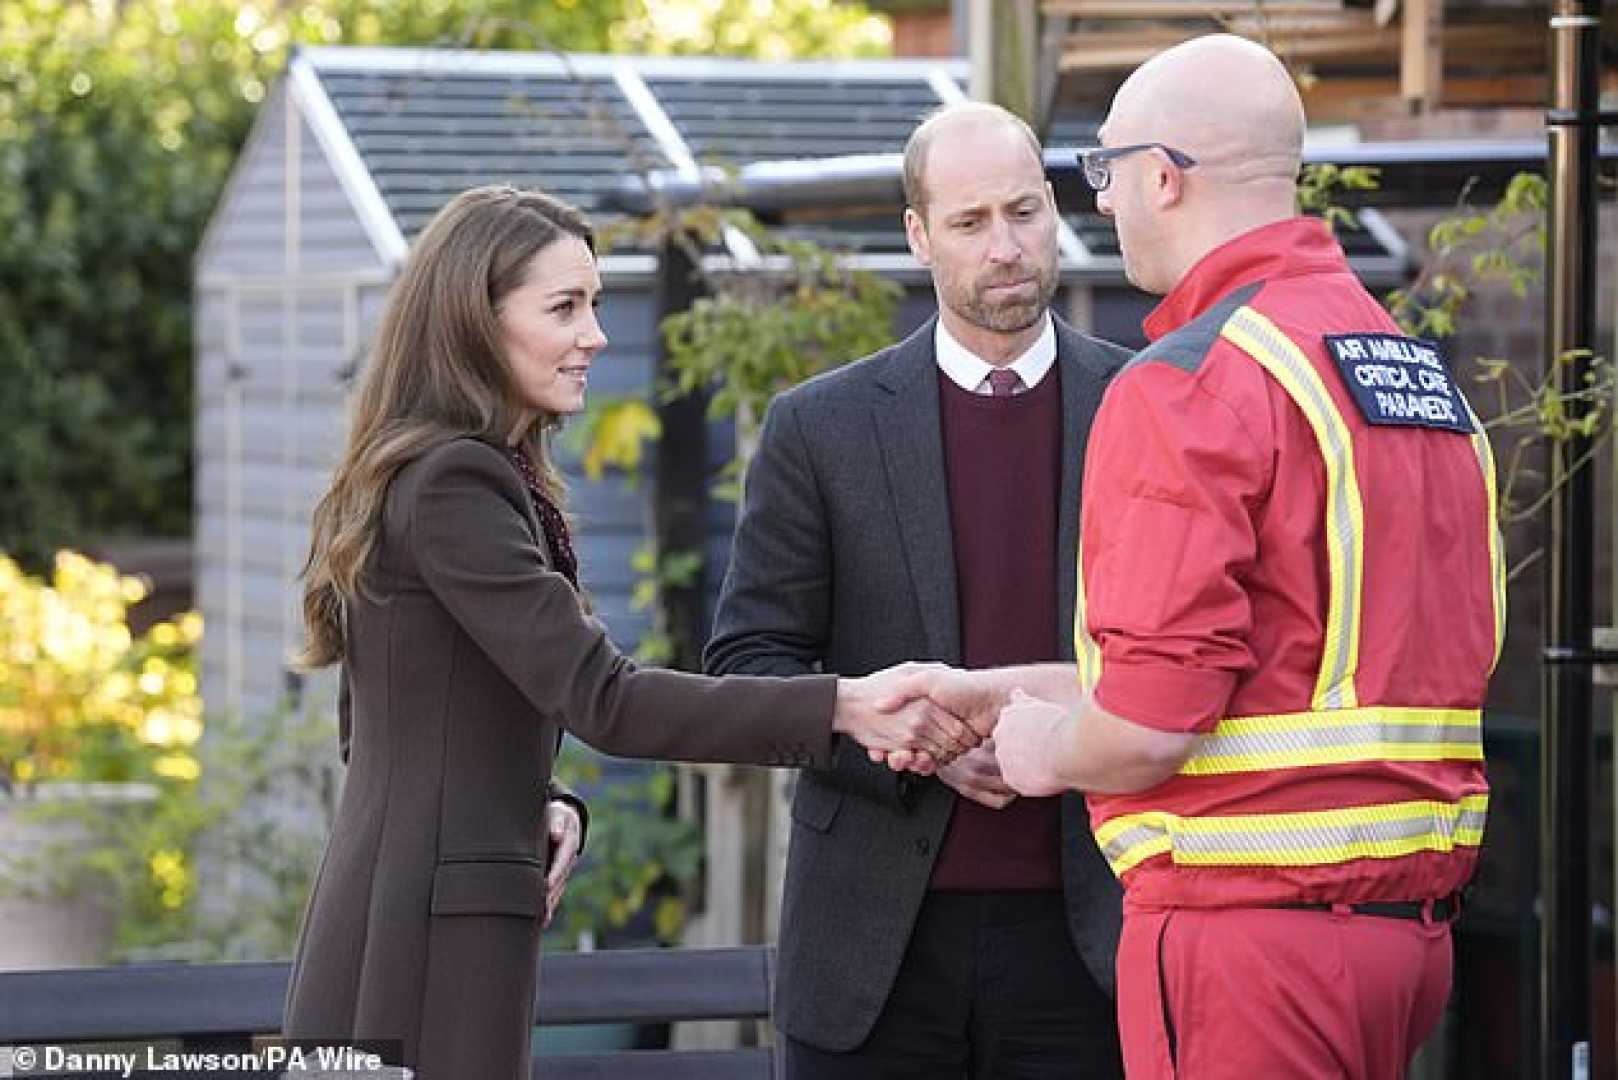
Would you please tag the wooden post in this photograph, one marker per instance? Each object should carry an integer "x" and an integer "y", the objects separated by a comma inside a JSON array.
[
  {"x": 747, "y": 816},
  {"x": 1421, "y": 54},
  {"x": 1003, "y": 45}
]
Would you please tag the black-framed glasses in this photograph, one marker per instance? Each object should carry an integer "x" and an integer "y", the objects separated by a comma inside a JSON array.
[{"x": 1098, "y": 162}]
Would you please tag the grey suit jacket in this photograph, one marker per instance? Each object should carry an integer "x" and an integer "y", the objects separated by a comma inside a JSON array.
[{"x": 843, "y": 562}]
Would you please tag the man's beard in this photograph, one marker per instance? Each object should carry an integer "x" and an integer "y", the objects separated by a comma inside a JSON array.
[{"x": 1009, "y": 316}]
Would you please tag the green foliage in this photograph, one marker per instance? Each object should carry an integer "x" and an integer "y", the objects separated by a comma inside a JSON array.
[
  {"x": 81, "y": 698},
  {"x": 1500, "y": 245},
  {"x": 119, "y": 123},
  {"x": 250, "y": 830},
  {"x": 1321, "y": 185},
  {"x": 1471, "y": 249},
  {"x": 115, "y": 133},
  {"x": 85, "y": 704},
  {"x": 1503, "y": 245},
  {"x": 775, "y": 30},
  {"x": 660, "y": 572},
  {"x": 762, "y": 331},
  {"x": 637, "y": 852}
]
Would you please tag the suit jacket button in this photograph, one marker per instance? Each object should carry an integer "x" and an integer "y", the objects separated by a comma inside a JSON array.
[{"x": 923, "y": 845}]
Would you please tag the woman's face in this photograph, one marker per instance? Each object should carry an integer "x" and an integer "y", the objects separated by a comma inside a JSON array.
[{"x": 548, "y": 327}]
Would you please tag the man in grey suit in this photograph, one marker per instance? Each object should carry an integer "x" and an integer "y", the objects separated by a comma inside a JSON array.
[{"x": 923, "y": 503}]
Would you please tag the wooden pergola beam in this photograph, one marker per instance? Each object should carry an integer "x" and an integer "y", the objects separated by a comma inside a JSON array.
[
  {"x": 1114, "y": 50},
  {"x": 1182, "y": 9},
  {"x": 1358, "y": 98}
]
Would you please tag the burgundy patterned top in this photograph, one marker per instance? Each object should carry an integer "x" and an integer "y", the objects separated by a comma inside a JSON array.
[{"x": 557, "y": 536}]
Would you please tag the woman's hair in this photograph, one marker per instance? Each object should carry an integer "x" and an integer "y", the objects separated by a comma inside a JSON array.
[{"x": 437, "y": 372}]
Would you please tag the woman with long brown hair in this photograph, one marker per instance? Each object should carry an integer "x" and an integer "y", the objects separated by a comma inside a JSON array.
[{"x": 442, "y": 577}]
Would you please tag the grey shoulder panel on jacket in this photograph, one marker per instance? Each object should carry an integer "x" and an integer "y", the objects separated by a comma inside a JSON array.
[{"x": 1187, "y": 347}]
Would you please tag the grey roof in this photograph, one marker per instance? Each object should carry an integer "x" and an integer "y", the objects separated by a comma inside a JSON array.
[
  {"x": 424, "y": 138},
  {"x": 429, "y": 123},
  {"x": 424, "y": 124},
  {"x": 798, "y": 115}
]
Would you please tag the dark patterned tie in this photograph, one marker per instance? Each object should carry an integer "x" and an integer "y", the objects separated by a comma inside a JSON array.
[{"x": 1003, "y": 382}]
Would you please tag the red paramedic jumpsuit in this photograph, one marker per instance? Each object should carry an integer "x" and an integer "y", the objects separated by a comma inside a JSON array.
[{"x": 1289, "y": 546}]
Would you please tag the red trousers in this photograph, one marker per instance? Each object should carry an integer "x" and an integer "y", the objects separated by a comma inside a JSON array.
[{"x": 1277, "y": 993}]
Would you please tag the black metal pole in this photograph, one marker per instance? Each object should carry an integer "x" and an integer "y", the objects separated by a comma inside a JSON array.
[{"x": 1568, "y": 750}]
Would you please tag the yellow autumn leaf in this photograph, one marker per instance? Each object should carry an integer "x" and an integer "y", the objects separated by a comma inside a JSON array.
[
  {"x": 616, "y": 436},
  {"x": 177, "y": 767}
]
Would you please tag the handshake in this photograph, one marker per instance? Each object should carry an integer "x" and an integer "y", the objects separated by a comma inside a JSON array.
[{"x": 921, "y": 717}]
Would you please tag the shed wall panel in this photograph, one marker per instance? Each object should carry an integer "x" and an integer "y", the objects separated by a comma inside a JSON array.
[{"x": 244, "y": 236}]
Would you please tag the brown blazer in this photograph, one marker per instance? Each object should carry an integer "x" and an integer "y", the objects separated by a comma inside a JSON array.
[{"x": 423, "y": 924}]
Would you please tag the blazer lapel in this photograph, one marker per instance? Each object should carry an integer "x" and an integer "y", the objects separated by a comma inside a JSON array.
[
  {"x": 905, "y": 412},
  {"x": 1082, "y": 387}
]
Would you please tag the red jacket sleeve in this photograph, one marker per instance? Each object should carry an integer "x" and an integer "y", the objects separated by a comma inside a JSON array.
[{"x": 1174, "y": 478}]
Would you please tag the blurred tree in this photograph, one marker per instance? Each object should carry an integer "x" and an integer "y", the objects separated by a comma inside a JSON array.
[{"x": 119, "y": 121}]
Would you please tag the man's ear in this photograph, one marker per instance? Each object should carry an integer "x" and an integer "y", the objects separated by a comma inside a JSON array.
[
  {"x": 1168, "y": 185},
  {"x": 916, "y": 235}
]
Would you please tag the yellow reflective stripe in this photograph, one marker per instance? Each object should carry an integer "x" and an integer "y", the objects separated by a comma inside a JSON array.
[
  {"x": 1312, "y": 838},
  {"x": 1497, "y": 555},
  {"x": 1345, "y": 516},
  {"x": 1085, "y": 648},
  {"x": 1371, "y": 733}
]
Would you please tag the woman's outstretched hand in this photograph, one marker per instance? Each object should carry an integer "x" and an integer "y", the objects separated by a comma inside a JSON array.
[
  {"x": 900, "y": 722},
  {"x": 896, "y": 724}
]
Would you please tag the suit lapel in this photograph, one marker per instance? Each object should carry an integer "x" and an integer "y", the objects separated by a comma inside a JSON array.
[
  {"x": 905, "y": 412},
  {"x": 1082, "y": 387}
]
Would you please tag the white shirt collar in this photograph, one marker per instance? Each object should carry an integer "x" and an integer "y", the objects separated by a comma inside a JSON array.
[{"x": 966, "y": 370}]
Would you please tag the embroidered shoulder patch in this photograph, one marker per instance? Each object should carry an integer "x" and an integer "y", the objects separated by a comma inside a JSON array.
[{"x": 1399, "y": 381}]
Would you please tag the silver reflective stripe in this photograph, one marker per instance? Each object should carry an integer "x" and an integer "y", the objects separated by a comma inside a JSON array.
[
  {"x": 1308, "y": 838},
  {"x": 1370, "y": 733},
  {"x": 1261, "y": 339}
]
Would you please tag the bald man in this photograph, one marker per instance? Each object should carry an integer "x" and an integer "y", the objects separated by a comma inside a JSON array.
[
  {"x": 1290, "y": 602},
  {"x": 924, "y": 503}
]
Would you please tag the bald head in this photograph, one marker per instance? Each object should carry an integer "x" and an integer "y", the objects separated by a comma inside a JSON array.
[
  {"x": 946, "y": 122},
  {"x": 1226, "y": 101},
  {"x": 1229, "y": 105}
]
